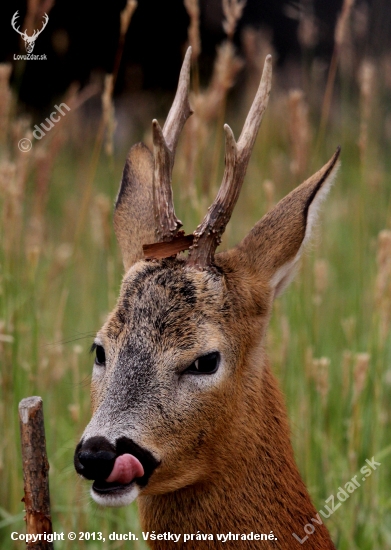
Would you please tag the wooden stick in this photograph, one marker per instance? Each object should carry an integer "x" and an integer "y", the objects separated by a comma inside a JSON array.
[{"x": 35, "y": 472}]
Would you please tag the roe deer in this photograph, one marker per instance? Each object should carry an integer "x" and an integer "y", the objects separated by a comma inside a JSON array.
[{"x": 187, "y": 415}]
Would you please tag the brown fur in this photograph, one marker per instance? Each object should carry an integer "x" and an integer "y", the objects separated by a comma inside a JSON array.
[
  {"x": 222, "y": 440},
  {"x": 252, "y": 485},
  {"x": 134, "y": 220}
]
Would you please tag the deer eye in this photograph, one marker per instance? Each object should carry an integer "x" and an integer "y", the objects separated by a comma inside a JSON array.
[
  {"x": 206, "y": 364},
  {"x": 100, "y": 356}
]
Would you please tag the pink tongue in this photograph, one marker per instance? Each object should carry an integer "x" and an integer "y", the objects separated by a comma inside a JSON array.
[{"x": 126, "y": 469}]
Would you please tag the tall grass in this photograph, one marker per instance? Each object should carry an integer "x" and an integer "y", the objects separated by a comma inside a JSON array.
[{"x": 329, "y": 338}]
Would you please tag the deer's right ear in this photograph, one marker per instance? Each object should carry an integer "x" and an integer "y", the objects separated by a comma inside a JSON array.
[
  {"x": 272, "y": 249},
  {"x": 134, "y": 219}
]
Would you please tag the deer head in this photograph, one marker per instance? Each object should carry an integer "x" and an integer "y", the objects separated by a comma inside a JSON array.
[
  {"x": 180, "y": 362},
  {"x": 29, "y": 41}
]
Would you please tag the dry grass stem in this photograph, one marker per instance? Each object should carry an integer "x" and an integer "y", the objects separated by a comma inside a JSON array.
[
  {"x": 257, "y": 44},
  {"x": 126, "y": 16},
  {"x": 20, "y": 129},
  {"x": 321, "y": 273},
  {"x": 108, "y": 113},
  {"x": 320, "y": 374},
  {"x": 321, "y": 280},
  {"x": 43, "y": 159},
  {"x": 5, "y": 100},
  {"x": 270, "y": 194},
  {"x": 193, "y": 31},
  {"x": 10, "y": 203},
  {"x": 339, "y": 36},
  {"x": 36, "y": 225},
  {"x": 75, "y": 98},
  {"x": 308, "y": 30},
  {"x": 299, "y": 132},
  {"x": 383, "y": 284},
  {"x": 285, "y": 339},
  {"x": 360, "y": 20},
  {"x": 233, "y": 10},
  {"x": 342, "y": 22},
  {"x": 360, "y": 371},
  {"x": 74, "y": 412},
  {"x": 367, "y": 80},
  {"x": 349, "y": 326},
  {"x": 347, "y": 358},
  {"x": 101, "y": 221},
  {"x": 13, "y": 179}
]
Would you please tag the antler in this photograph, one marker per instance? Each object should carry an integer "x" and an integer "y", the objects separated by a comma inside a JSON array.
[
  {"x": 164, "y": 146},
  {"x": 13, "y": 23},
  {"x": 208, "y": 234}
]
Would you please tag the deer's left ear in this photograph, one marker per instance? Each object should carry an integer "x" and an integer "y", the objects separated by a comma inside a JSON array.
[{"x": 272, "y": 249}]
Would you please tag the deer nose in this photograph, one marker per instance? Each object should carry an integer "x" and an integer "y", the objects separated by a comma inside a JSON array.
[{"x": 94, "y": 458}]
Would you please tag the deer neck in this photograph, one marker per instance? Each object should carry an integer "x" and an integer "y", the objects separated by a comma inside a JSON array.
[{"x": 257, "y": 489}]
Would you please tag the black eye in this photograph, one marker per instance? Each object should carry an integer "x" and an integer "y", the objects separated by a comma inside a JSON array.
[
  {"x": 206, "y": 364},
  {"x": 100, "y": 358}
]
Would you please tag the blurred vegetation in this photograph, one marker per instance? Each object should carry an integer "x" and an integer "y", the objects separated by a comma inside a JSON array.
[{"x": 329, "y": 338}]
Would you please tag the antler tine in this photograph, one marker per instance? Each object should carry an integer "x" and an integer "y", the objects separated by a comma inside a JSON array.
[
  {"x": 207, "y": 236},
  {"x": 13, "y": 23},
  {"x": 164, "y": 145},
  {"x": 180, "y": 110},
  {"x": 45, "y": 22},
  {"x": 254, "y": 118}
]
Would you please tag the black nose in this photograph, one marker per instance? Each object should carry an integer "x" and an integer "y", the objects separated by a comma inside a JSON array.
[{"x": 94, "y": 458}]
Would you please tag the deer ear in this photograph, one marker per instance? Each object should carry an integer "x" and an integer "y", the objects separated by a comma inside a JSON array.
[
  {"x": 274, "y": 246},
  {"x": 134, "y": 219}
]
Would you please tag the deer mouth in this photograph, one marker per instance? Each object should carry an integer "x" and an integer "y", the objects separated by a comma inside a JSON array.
[
  {"x": 126, "y": 470},
  {"x": 118, "y": 471},
  {"x": 124, "y": 483},
  {"x": 103, "y": 487},
  {"x": 131, "y": 470},
  {"x": 114, "y": 494}
]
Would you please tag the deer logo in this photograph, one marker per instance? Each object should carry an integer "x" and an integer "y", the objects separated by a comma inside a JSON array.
[
  {"x": 187, "y": 416},
  {"x": 29, "y": 41}
]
